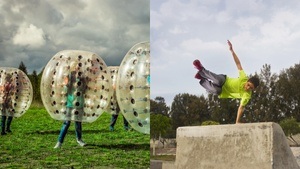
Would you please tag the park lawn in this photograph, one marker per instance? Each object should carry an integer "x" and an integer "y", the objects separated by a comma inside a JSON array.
[{"x": 30, "y": 145}]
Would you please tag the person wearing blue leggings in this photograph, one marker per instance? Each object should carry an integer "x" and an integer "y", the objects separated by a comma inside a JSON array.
[{"x": 74, "y": 105}]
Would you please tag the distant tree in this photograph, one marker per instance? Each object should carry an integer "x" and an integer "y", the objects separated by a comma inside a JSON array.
[
  {"x": 264, "y": 104},
  {"x": 160, "y": 124},
  {"x": 289, "y": 92},
  {"x": 23, "y": 67},
  {"x": 36, "y": 86},
  {"x": 290, "y": 128},
  {"x": 39, "y": 84},
  {"x": 189, "y": 110},
  {"x": 158, "y": 106},
  {"x": 223, "y": 111},
  {"x": 40, "y": 74}
]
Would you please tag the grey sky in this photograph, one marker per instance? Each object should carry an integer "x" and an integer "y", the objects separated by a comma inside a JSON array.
[
  {"x": 262, "y": 32},
  {"x": 33, "y": 31}
]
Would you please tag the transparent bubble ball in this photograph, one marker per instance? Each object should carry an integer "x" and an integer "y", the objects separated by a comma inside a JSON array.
[
  {"x": 113, "y": 108},
  {"x": 16, "y": 92},
  {"x": 76, "y": 86},
  {"x": 133, "y": 87}
]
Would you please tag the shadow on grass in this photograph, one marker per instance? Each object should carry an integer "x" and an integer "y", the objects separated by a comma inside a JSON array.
[
  {"x": 120, "y": 146},
  {"x": 43, "y": 132}
]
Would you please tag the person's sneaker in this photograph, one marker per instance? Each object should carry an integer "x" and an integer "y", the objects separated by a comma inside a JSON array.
[
  {"x": 198, "y": 76},
  {"x": 3, "y": 133},
  {"x": 58, "y": 145},
  {"x": 111, "y": 128},
  {"x": 9, "y": 131},
  {"x": 198, "y": 65},
  {"x": 81, "y": 143}
]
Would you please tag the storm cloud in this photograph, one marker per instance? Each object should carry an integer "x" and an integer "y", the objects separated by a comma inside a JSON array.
[{"x": 33, "y": 31}]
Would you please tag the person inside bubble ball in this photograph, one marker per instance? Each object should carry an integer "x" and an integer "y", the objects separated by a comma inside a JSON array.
[
  {"x": 75, "y": 87},
  {"x": 115, "y": 108},
  {"x": 113, "y": 121},
  {"x": 7, "y": 108},
  {"x": 226, "y": 87}
]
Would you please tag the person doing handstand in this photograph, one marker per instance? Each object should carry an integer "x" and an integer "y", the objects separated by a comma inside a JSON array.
[{"x": 227, "y": 87}]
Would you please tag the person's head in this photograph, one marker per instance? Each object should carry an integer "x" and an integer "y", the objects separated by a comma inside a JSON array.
[{"x": 252, "y": 83}]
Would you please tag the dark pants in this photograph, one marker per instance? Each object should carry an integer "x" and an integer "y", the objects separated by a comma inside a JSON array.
[
  {"x": 212, "y": 82},
  {"x": 64, "y": 130},
  {"x": 3, "y": 121},
  {"x": 114, "y": 118}
]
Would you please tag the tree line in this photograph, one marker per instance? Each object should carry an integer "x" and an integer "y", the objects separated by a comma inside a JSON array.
[{"x": 276, "y": 99}]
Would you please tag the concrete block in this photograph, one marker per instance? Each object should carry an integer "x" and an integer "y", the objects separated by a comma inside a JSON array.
[
  {"x": 238, "y": 146},
  {"x": 168, "y": 165}
]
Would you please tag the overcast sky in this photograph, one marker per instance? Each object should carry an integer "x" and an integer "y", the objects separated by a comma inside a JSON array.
[
  {"x": 262, "y": 32},
  {"x": 33, "y": 31}
]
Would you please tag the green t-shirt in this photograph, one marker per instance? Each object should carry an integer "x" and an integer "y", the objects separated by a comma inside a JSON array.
[
  {"x": 234, "y": 88},
  {"x": 75, "y": 93},
  {"x": 70, "y": 99}
]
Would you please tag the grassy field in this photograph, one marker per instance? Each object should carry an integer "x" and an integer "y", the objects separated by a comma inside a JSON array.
[{"x": 30, "y": 145}]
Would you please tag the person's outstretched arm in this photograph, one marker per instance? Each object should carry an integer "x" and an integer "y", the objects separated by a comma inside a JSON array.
[
  {"x": 236, "y": 59},
  {"x": 239, "y": 114}
]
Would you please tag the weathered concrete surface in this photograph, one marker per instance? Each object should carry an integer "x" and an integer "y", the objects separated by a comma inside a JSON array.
[
  {"x": 158, "y": 164},
  {"x": 240, "y": 146}
]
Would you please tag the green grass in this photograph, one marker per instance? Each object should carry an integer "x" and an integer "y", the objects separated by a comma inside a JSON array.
[{"x": 30, "y": 145}]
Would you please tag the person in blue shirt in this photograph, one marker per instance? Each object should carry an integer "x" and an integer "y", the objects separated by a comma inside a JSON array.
[{"x": 76, "y": 86}]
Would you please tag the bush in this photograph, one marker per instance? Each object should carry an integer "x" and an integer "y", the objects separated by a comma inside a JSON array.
[
  {"x": 206, "y": 123},
  {"x": 290, "y": 126}
]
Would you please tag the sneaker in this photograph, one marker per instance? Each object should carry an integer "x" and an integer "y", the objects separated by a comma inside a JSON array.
[
  {"x": 81, "y": 143},
  {"x": 198, "y": 76},
  {"x": 111, "y": 128},
  {"x": 58, "y": 145},
  {"x": 198, "y": 65},
  {"x": 3, "y": 133},
  {"x": 9, "y": 131}
]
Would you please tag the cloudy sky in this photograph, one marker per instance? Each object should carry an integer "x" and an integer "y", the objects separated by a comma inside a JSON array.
[
  {"x": 262, "y": 32},
  {"x": 33, "y": 31}
]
